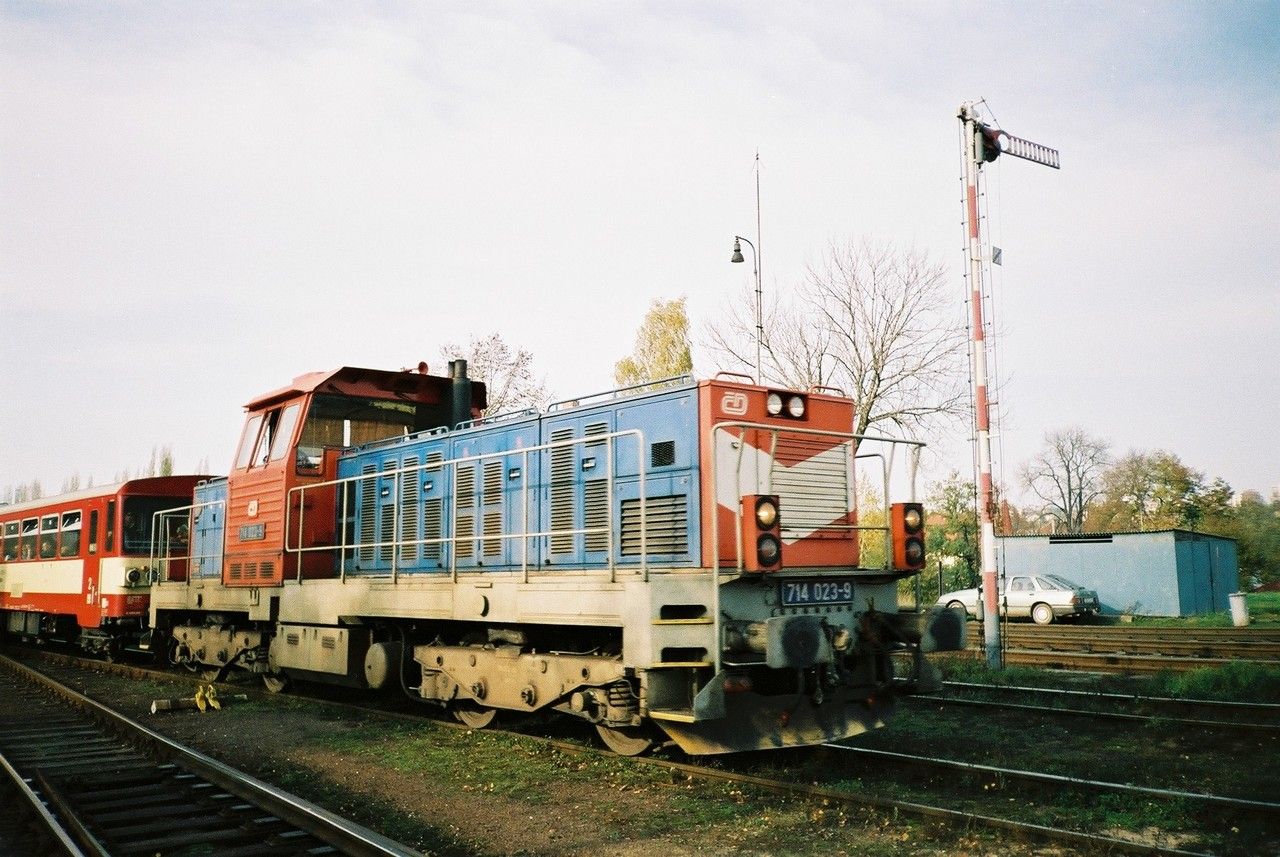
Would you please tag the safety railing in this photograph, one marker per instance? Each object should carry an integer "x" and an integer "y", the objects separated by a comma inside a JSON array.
[
  {"x": 344, "y": 490},
  {"x": 171, "y": 541}
]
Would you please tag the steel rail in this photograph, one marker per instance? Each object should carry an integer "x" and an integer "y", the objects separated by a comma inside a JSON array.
[
  {"x": 346, "y": 836},
  {"x": 49, "y": 826},
  {"x": 1062, "y": 779},
  {"x": 1104, "y": 715},
  {"x": 1123, "y": 697},
  {"x": 951, "y": 817}
]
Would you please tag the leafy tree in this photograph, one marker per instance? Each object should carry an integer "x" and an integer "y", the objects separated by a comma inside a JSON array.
[
  {"x": 951, "y": 537},
  {"x": 876, "y": 321},
  {"x": 1067, "y": 475},
  {"x": 1150, "y": 491},
  {"x": 507, "y": 373},
  {"x": 662, "y": 346}
]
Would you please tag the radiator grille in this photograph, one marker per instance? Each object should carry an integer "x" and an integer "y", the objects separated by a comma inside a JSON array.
[
  {"x": 387, "y": 522},
  {"x": 814, "y": 487},
  {"x": 368, "y": 504},
  {"x": 562, "y": 486},
  {"x": 432, "y": 513},
  {"x": 492, "y": 545},
  {"x": 666, "y": 525},
  {"x": 595, "y": 500},
  {"x": 492, "y": 483},
  {"x": 410, "y": 502},
  {"x": 464, "y": 511}
]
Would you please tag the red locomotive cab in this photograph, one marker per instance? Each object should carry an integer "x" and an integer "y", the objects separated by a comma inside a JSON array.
[{"x": 292, "y": 438}]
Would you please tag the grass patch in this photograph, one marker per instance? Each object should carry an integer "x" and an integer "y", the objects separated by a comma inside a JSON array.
[
  {"x": 1237, "y": 681},
  {"x": 1264, "y": 612}
]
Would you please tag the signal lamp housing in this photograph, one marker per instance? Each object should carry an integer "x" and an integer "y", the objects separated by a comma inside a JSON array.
[
  {"x": 761, "y": 533},
  {"x": 907, "y": 528}
]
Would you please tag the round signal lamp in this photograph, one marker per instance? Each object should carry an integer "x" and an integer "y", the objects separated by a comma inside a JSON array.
[
  {"x": 911, "y": 518},
  {"x": 766, "y": 513}
]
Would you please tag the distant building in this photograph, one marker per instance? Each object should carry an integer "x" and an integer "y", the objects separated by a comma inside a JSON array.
[{"x": 1163, "y": 573}]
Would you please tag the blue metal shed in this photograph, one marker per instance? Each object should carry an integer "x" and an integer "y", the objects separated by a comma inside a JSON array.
[{"x": 1162, "y": 573}]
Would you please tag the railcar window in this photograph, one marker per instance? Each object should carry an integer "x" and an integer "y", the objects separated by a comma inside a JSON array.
[
  {"x": 48, "y": 536},
  {"x": 11, "y": 540},
  {"x": 248, "y": 441},
  {"x": 70, "y": 544},
  {"x": 139, "y": 521},
  {"x": 284, "y": 431},
  {"x": 30, "y": 527},
  {"x": 93, "y": 531},
  {"x": 111, "y": 526}
]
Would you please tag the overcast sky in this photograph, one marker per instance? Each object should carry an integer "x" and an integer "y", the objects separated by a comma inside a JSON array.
[{"x": 199, "y": 201}]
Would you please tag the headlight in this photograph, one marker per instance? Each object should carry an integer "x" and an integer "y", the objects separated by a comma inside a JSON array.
[
  {"x": 795, "y": 406},
  {"x": 773, "y": 404},
  {"x": 766, "y": 514}
]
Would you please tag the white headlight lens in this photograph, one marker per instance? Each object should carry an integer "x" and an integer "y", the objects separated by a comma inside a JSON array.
[
  {"x": 766, "y": 513},
  {"x": 773, "y": 404},
  {"x": 795, "y": 406}
]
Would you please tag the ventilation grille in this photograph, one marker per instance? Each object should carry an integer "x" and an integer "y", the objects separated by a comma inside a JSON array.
[
  {"x": 666, "y": 525},
  {"x": 562, "y": 492},
  {"x": 387, "y": 521},
  {"x": 662, "y": 454},
  {"x": 368, "y": 503},
  {"x": 492, "y": 545},
  {"x": 813, "y": 487},
  {"x": 464, "y": 512},
  {"x": 410, "y": 509},
  {"x": 432, "y": 514},
  {"x": 594, "y": 431},
  {"x": 595, "y": 500},
  {"x": 492, "y": 483},
  {"x": 251, "y": 571}
]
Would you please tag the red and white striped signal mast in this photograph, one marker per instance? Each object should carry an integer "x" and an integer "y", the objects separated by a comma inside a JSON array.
[{"x": 983, "y": 144}]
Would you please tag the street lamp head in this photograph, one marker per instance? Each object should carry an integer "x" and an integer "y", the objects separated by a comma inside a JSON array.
[{"x": 737, "y": 251}]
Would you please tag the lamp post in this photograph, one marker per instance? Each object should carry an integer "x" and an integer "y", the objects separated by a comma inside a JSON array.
[{"x": 755, "y": 270}]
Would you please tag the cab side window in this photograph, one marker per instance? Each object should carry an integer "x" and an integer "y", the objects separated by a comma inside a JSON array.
[
  {"x": 248, "y": 440},
  {"x": 284, "y": 432}
]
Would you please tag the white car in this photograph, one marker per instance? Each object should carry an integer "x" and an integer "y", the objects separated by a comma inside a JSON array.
[{"x": 1041, "y": 597}]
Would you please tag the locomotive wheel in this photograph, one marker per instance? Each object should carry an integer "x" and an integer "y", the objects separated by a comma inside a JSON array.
[
  {"x": 474, "y": 716},
  {"x": 625, "y": 740},
  {"x": 275, "y": 682}
]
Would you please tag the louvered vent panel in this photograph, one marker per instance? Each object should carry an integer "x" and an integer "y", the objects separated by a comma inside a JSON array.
[
  {"x": 432, "y": 513},
  {"x": 493, "y": 532},
  {"x": 368, "y": 506},
  {"x": 595, "y": 506},
  {"x": 666, "y": 525},
  {"x": 562, "y": 485},
  {"x": 387, "y": 521},
  {"x": 267, "y": 570},
  {"x": 250, "y": 571},
  {"x": 594, "y": 430},
  {"x": 464, "y": 511},
  {"x": 237, "y": 571},
  {"x": 814, "y": 490},
  {"x": 410, "y": 509},
  {"x": 492, "y": 482}
]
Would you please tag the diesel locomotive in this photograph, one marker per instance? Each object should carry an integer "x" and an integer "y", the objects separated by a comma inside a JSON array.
[{"x": 685, "y": 560}]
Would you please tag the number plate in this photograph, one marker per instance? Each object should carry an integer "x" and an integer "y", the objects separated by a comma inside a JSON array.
[{"x": 806, "y": 593}]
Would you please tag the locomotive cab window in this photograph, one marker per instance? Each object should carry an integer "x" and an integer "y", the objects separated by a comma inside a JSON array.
[
  {"x": 70, "y": 544},
  {"x": 139, "y": 522},
  {"x": 248, "y": 441},
  {"x": 334, "y": 421}
]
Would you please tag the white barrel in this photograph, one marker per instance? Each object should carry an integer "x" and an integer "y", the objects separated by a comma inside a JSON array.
[{"x": 1239, "y": 609}]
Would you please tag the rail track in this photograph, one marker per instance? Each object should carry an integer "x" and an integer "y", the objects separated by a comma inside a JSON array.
[
  {"x": 1226, "y": 716},
  {"x": 962, "y": 819},
  {"x": 116, "y": 788},
  {"x": 1115, "y": 648}
]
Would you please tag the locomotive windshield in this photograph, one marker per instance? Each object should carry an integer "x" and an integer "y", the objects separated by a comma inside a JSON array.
[
  {"x": 353, "y": 421},
  {"x": 139, "y": 518}
]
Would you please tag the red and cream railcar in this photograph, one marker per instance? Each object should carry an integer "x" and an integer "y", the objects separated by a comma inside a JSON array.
[{"x": 76, "y": 567}]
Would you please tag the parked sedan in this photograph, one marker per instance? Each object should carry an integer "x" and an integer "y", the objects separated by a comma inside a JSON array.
[{"x": 1042, "y": 597}]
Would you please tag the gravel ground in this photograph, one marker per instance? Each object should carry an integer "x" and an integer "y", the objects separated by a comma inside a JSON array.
[{"x": 451, "y": 791}]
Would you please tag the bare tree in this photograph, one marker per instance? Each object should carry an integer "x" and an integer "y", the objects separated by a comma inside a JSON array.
[
  {"x": 507, "y": 374},
  {"x": 662, "y": 346},
  {"x": 874, "y": 320},
  {"x": 1067, "y": 475}
]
